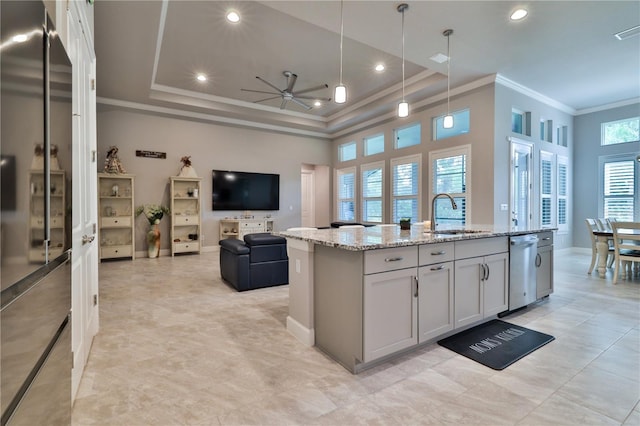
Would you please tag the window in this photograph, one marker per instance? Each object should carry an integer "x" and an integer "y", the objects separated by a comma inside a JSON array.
[
  {"x": 374, "y": 144},
  {"x": 460, "y": 125},
  {"x": 347, "y": 151},
  {"x": 619, "y": 187},
  {"x": 563, "y": 164},
  {"x": 405, "y": 202},
  {"x": 372, "y": 192},
  {"x": 563, "y": 136},
  {"x": 346, "y": 182},
  {"x": 450, "y": 169},
  {"x": 408, "y": 136},
  {"x": 546, "y": 130},
  {"x": 621, "y": 131},
  {"x": 546, "y": 188},
  {"x": 520, "y": 122}
]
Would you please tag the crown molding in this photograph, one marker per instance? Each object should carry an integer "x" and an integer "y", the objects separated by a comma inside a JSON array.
[
  {"x": 534, "y": 95},
  {"x": 608, "y": 106},
  {"x": 209, "y": 118}
]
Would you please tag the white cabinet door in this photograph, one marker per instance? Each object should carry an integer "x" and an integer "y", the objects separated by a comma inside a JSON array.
[
  {"x": 544, "y": 271},
  {"x": 390, "y": 313},
  {"x": 435, "y": 301},
  {"x": 494, "y": 286},
  {"x": 468, "y": 291}
]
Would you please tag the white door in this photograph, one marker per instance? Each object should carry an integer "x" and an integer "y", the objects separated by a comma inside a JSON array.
[
  {"x": 308, "y": 207},
  {"x": 84, "y": 263},
  {"x": 521, "y": 167}
]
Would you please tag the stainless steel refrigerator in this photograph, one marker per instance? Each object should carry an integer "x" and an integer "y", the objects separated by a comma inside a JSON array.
[{"x": 35, "y": 218}]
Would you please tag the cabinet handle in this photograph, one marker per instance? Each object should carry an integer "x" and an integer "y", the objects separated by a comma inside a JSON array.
[
  {"x": 483, "y": 275},
  {"x": 393, "y": 259},
  {"x": 437, "y": 268},
  {"x": 438, "y": 253},
  {"x": 546, "y": 239},
  {"x": 488, "y": 271},
  {"x": 538, "y": 260},
  {"x": 415, "y": 283}
]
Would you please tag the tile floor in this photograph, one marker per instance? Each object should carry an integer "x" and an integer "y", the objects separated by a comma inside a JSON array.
[{"x": 177, "y": 346}]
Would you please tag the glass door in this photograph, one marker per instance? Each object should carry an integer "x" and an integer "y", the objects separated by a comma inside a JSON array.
[{"x": 521, "y": 167}]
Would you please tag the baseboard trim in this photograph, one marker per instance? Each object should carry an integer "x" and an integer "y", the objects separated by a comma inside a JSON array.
[{"x": 305, "y": 335}]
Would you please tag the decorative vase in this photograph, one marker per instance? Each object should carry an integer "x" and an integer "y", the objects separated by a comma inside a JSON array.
[{"x": 153, "y": 241}]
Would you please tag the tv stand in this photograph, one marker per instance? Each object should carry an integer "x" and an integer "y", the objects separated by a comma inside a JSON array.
[{"x": 238, "y": 228}]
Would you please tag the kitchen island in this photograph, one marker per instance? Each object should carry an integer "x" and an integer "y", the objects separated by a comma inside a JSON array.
[{"x": 363, "y": 295}]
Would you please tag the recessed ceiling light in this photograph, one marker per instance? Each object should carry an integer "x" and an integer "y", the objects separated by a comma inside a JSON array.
[
  {"x": 233, "y": 16},
  {"x": 633, "y": 31},
  {"x": 201, "y": 77},
  {"x": 379, "y": 67},
  {"x": 519, "y": 14},
  {"x": 317, "y": 103},
  {"x": 439, "y": 58},
  {"x": 20, "y": 38}
]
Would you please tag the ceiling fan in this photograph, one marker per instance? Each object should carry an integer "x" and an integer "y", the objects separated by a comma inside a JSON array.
[{"x": 288, "y": 94}]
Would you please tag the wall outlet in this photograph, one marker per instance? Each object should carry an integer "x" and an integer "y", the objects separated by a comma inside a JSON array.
[
  {"x": 297, "y": 266},
  {"x": 504, "y": 207}
]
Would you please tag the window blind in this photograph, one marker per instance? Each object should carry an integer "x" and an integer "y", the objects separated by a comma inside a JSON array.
[
  {"x": 619, "y": 188},
  {"x": 372, "y": 181}
]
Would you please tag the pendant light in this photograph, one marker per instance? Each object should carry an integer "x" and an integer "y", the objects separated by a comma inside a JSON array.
[
  {"x": 447, "y": 123},
  {"x": 340, "y": 93},
  {"x": 403, "y": 106}
]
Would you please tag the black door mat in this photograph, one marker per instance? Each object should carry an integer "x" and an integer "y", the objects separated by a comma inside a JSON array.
[{"x": 496, "y": 344}]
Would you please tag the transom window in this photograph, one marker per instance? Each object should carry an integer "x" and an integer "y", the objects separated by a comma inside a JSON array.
[
  {"x": 408, "y": 136},
  {"x": 461, "y": 121},
  {"x": 620, "y": 131},
  {"x": 372, "y": 192},
  {"x": 374, "y": 144},
  {"x": 405, "y": 200},
  {"x": 347, "y": 151}
]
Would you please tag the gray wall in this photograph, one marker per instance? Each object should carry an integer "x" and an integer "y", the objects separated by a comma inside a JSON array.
[
  {"x": 505, "y": 100},
  {"x": 585, "y": 171},
  {"x": 210, "y": 147},
  {"x": 480, "y": 137}
]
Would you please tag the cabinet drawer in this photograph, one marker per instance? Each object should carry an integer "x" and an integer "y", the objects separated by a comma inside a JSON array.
[
  {"x": 251, "y": 225},
  {"x": 481, "y": 247},
  {"x": 545, "y": 238},
  {"x": 390, "y": 259},
  {"x": 186, "y": 247},
  {"x": 115, "y": 251},
  {"x": 435, "y": 253},
  {"x": 186, "y": 220},
  {"x": 115, "y": 222}
]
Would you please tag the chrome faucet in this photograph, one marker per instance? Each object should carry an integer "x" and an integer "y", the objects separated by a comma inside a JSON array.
[{"x": 433, "y": 207}]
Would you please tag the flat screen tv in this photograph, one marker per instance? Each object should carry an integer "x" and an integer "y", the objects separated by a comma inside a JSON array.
[{"x": 245, "y": 191}]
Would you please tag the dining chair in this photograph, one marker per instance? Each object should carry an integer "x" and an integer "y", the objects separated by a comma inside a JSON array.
[
  {"x": 603, "y": 224},
  {"x": 592, "y": 225},
  {"x": 626, "y": 240}
]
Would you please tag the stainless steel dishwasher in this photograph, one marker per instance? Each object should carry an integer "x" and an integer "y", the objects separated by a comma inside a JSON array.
[{"x": 522, "y": 270}]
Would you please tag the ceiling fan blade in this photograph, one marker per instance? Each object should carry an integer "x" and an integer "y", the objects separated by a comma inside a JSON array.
[
  {"x": 302, "y": 104},
  {"x": 322, "y": 86},
  {"x": 259, "y": 91},
  {"x": 283, "y": 104},
  {"x": 268, "y": 84},
  {"x": 267, "y": 99},
  {"x": 313, "y": 98},
  {"x": 291, "y": 80}
]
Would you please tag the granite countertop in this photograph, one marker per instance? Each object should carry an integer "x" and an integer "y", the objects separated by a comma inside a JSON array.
[{"x": 378, "y": 237}]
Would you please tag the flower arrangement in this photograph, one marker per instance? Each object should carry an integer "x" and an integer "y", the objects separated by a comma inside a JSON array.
[{"x": 152, "y": 212}]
